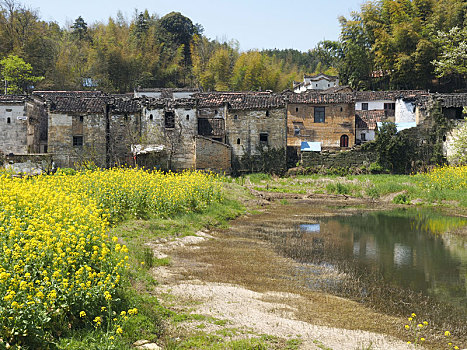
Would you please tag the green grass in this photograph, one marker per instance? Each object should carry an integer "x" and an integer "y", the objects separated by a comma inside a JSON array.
[{"x": 367, "y": 186}]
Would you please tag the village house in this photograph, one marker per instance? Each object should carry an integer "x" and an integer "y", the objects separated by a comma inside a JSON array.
[
  {"x": 252, "y": 124},
  {"x": 90, "y": 126},
  {"x": 14, "y": 128},
  {"x": 373, "y": 107},
  {"x": 320, "y": 81},
  {"x": 169, "y": 128},
  {"x": 319, "y": 121}
]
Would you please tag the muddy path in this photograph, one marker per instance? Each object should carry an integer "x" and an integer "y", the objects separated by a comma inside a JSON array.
[{"x": 242, "y": 280}]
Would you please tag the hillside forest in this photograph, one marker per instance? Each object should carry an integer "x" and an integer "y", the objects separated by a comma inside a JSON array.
[{"x": 388, "y": 44}]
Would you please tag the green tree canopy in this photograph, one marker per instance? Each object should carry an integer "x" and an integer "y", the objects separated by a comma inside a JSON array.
[{"x": 17, "y": 74}]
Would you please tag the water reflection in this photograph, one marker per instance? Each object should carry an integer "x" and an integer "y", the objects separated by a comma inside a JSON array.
[
  {"x": 405, "y": 247},
  {"x": 310, "y": 227}
]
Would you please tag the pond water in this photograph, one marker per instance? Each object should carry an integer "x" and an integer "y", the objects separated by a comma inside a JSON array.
[
  {"x": 410, "y": 249},
  {"x": 399, "y": 261}
]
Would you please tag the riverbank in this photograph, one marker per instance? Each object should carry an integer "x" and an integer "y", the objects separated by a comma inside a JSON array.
[
  {"x": 198, "y": 287},
  {"x": 221, "y": 293}
]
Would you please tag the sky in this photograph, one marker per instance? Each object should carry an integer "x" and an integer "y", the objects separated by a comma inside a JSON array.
[{"x": 256, "y": 24}]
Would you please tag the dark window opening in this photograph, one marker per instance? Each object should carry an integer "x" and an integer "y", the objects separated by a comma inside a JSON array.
[
  {"x": 316, "y": 85},
  {"x": 8, "y": 120},
  {"x": 151, "y": 117},
  {"x": 238, "y": 141},
  {"x": 363, "y": 136},
  {"x": 389, "y": 106},
  {"x": 187, "y": 117},
  {"x": 45, "y": 149},
  {"x": 77, "y": 141},
  {"x": 329, "y": 85},
  {"x": 267, "y": 113},
  {"x": 344, "y": 141},
  {"x": 341, "y": 109},
  {"x": 219, "y": 139},
  {"x": 296, "y": 131},
  {"x": 296, "y": 109},
  {"x": 216, "y": 112},
  {"x": 9, "y": 110},
  {"x": 364, "y": 106},
  {"x": 211, "y": 127},
  {"x": 235, "y": 117},
  {"x": 319, "y": 116},
  {"x": 444, "y": 138},
  {"x": 81, "y": 118},
  {"x": 263, "y": 138},
  {"x": 169, "y": 120}
]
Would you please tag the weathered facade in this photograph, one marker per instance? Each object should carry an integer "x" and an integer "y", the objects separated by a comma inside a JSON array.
[
  {"x": 252, "y": 124},
  {"x": 185, "y": 129},
  {"x": 171, "y": 124},
  {"x": 328, "y": 119},
  {"x": 14, "y": 131}
]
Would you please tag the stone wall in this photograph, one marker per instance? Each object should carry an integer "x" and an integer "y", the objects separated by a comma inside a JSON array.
[
  {"x": 29, "y": 164},
  {"x": 179, "y": 141},
  {"x": 124, "y": 131},
  {"x": 13, "y": 128},
  {"x": 212, "y": 155},
  {"x": 37, "y": 126},
  {"x": 62, "y": 128},
  {"x": 339, "y": 120},
  {"x": 251, "y": 132},
  {"x": 345, "y": 159}
]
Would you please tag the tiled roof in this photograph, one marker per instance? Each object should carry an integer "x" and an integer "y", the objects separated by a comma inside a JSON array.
[
  {"x": 388, "y": 95},
  {"x": 78, "y": 104},
  {"x": 319, "y": 97},
  {"x": 159, "y": 103},
  {"x": 167, "y": 89},
  {"x": 124, "y": 105},
  {"x": 452, "y": 100},
  {"x": 12, "y": 98},
  {"x": 50, "y": 95},
  {"x": 368, "y": 119},
  {"x": 320, "y": 75},
  {"x": 241, "y": 100},
  {"x": 338, "y": 89}
]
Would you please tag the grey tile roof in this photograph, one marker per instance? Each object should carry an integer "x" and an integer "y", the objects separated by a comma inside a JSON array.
[
  {"x": 241, "y": 100},
  {"x": 451, "y": 100},
  {"x": 368, "y": 119},
  {"x": 319, "y": 97},
  {"x": 13, "y": 98},
  {"x": 389, "y": 95}
]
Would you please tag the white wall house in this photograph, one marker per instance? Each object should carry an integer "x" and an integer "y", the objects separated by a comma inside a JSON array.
[{"x": 316, "y": 82}]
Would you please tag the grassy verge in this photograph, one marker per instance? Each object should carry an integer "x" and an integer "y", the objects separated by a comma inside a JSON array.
[{"x": 449, "y": 190}]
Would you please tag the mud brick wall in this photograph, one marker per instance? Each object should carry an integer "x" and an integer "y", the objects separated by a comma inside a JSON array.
[
  {"x": 339, "y": 120},
  {"x": 213, "y": 155}
]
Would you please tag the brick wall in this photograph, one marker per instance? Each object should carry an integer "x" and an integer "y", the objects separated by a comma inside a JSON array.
[
  {"x": 212, "y": 155},
  {"x": 339, "y": 120}
]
